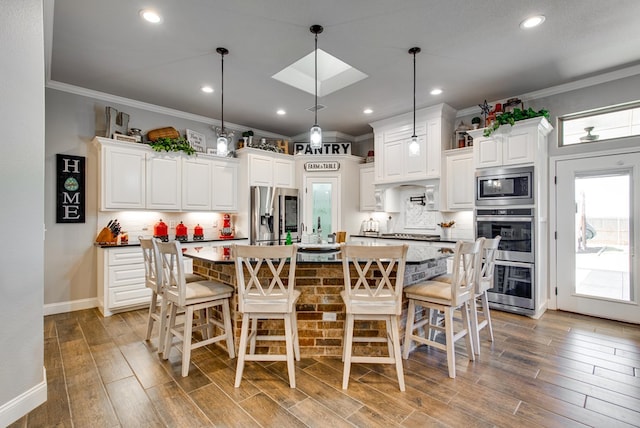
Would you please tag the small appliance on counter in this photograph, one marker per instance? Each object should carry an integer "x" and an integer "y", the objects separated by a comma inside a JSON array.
[
  {"x": 181, "y": 232},
  {"x": 161, "y": 231},
  {"x": 370, "y": 227},
  {"x": 227, "y": 231},
  {"x": 198, "y": 233}
]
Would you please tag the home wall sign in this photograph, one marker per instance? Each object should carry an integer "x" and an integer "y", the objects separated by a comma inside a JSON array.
[
  {"x": 326, "y": 149},
  {"x": 321, "y": 166},
  {"x": 70, "y": 190}
]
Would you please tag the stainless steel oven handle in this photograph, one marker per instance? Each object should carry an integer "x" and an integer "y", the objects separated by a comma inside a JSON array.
[
  {"x": 514, "y": 264},
  {"x": 494, "y": 218}
]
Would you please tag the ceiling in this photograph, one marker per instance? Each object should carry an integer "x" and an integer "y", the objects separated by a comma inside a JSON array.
[{"x": 473, "y": 50}]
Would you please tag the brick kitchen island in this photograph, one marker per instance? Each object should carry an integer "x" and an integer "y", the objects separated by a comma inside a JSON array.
[{"x": 320, "y": 308}]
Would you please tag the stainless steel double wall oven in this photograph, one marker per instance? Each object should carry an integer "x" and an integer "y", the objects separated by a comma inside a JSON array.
[{"x": 505, "y": 207}]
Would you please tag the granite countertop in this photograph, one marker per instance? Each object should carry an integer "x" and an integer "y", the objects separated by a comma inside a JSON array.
[
  {"x": 137, "y": 244},
  {"x": 417, "y": 254}
]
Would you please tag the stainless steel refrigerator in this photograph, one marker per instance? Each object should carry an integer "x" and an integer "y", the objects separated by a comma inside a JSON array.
[{"x": 274, "y": 213}]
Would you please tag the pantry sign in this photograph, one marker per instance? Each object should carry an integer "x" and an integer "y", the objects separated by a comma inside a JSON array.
[
  {"x": 70, "y": 192},
  {"x": 326, "y": 149}
]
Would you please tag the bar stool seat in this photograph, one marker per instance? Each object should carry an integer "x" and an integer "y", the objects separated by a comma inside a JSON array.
[
  {"x": 446, "y": 298},
  {"x": 266, "y": 291},
  {"x": 191, "y": 297},
  {"x": 374, "y": 293}
]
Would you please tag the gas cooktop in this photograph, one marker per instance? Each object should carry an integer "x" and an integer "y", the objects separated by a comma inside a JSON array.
[{"x": 416, "y": 236}]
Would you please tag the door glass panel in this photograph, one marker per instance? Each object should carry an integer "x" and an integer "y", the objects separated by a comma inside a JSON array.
[
  {"x": 603, "y": 237},
  {"x": 321, "y": 213}
]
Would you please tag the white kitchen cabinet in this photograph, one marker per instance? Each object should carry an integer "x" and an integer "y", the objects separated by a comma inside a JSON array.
[
  {"x": 121, "y": 282},
  {"x": 209, "y": 184},
  {"x": 511, "y": 145},
  {"x": 459, "y": 179},
  {"x": 163, "y": 182},
  {"x": 197, "y": 184},
  {"x": 392, "y": 137},
  {"x": 122, "y": 177},
  {"x": 268, "y": 168},
  {"x": 367, "y": 189},
  {"x": 225, "y": 185}
]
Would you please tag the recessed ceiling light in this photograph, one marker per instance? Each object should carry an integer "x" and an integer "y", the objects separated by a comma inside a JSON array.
[
  {"x": 531, "y": 22},
  {"x": 367, "y": 111},
  {"x": 281, "y": 112},
  {"x": 436, "y": 91},
  {"x": 207, "y": 89},
  {"x": 150, "y": 16}
]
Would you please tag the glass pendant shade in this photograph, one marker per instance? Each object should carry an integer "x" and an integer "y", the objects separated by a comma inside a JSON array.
[
  {"x": 315, "y": 137},
  {"x": 414, "y": 147},
  {"x": 222, "y": 146}
]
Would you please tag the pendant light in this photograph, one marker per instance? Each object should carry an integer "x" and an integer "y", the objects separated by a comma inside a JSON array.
[
  {"x": 222, "y": 146},
  {"x": 414, "y": 147},
  {"x": 315, "y": 135}
]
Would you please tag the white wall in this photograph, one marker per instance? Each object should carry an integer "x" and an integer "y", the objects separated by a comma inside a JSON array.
[{"x": 22, "y": 384}]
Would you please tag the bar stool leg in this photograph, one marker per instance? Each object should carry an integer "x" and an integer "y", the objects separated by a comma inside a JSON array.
[
  {"x": 348, "y": 343},
  {"x": 395, "y": 335},
  {"x": 411, "y": 315},
  {"x": 242, "y": 350},
  {"x": 288, "y": 335}
]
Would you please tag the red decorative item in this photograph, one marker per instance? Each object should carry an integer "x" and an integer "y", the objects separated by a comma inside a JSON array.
[
  {"x": 226, "y": 253},
  {"x": 226, "y": 232},
  {"x": 198, "y": 233},
  {"x": 181, "y": 232},
  {"x": 161, "y": 231}
]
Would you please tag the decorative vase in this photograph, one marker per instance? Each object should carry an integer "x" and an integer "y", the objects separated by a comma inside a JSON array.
[{"x": 445, "y": 234}]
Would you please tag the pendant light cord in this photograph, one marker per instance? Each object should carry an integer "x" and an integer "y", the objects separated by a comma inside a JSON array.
[
  {"x": 315, "y": 81},
  {"x": 414, "y": 94},
  {"x": 222, "y": 92}
]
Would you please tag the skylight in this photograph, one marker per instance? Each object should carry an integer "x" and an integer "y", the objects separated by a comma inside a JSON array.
[{"x": 333, "y": 74}]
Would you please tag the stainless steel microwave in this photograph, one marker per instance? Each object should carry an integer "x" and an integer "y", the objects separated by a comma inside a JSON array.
[{"x": 505, "y": 186}]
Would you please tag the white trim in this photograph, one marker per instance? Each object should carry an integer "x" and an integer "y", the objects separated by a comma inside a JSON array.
[
  {"x": 103, "y": 96},
  {"x": 70, "y": 306},
  {"x": 19, "y": 406},
  {"x": 565, "y": 87}
]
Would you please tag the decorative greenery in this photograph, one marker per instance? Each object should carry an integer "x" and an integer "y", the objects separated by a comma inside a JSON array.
[
  {"x": 513, "y": 117},
  {"x": 172, "y": 145},
  {"x": 476, "y": 120},
  {"x": 248, "y": 133}
]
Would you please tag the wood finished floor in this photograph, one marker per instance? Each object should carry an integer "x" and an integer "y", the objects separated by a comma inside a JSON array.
[{"x": 563, "y": 370}]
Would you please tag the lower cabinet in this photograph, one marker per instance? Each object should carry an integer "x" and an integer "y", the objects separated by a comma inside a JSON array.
[{"x": 121, "y": 284}]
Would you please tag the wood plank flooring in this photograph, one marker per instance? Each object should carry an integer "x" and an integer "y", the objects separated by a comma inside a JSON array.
[{"x": 564, "y": 370}]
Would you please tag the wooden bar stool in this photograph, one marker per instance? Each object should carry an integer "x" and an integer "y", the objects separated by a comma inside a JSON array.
[
  {"x": 446, "y": 298},
  {"x": 266, "y": 295},
  {"x": 485, "y": 283},
  {"x": 191, "y": 297},
  {"x": 374, "y": 293}
]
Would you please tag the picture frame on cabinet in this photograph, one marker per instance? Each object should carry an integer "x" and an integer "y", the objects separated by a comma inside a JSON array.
[{"x": 197, "y": 140}]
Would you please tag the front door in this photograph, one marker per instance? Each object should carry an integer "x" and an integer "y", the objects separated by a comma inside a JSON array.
[{"x": 598, "y": 199}]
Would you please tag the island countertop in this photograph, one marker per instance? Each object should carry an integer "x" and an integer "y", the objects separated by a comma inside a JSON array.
[{"x": 417, "y": 254}]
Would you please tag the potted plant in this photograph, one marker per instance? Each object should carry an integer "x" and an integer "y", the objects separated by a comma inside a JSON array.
[
  {"x": 514, "y": 116},
  {"x": 446, "y": 226},
  {"x": 476, "y": 121}
]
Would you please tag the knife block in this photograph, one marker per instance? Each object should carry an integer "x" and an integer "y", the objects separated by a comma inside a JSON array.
[{"x": 105, "y": 237}]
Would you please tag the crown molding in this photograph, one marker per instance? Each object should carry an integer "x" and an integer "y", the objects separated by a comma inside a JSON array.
[
  {"x": 565, "y": 87},
  {"x": 103, "y": 96}
]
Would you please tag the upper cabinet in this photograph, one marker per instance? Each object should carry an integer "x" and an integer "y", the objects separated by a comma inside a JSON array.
[
  {"x": 135, "y": 177},
  {"x": 392, "y": 137},
  {"x": 523, "y": 143},
  {"x": 460, "y": 179},
  {"x": 268, "y": 168},
  {"x": 122, "y": 177},
  {"x": 367, "y": 189}
]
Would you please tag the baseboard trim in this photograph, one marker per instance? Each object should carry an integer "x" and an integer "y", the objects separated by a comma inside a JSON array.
[
  {"x": 73, "y": 305},
  {"x": 16, "y": 408}
]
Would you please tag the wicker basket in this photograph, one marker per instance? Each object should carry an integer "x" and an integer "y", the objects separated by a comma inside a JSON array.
[{"x": 168, "y": 132}]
